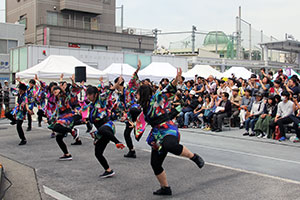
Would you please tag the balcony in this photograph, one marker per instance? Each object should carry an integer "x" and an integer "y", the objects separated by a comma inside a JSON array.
[
  {"x": 89, "y": 6},
  {"x": 93, "y": 25}
]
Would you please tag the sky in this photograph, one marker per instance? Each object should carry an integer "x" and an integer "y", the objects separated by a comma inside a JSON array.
[{"x": 274, "y": 17}]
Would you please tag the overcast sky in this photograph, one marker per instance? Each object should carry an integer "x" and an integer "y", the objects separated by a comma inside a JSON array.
[{"x": 275, "y": 17}]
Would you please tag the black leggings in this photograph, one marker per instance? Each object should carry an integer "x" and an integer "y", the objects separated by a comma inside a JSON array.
[
  {"x": 127, "y": 137},
  {"x": 40, "y": 115},
  {"x": 29, "y": 120},
  {"x": 61, "y": 130},
  {"x": 107, "y": 136},
  {"x": 20, "y": 130},
  {"x": 170, "y": 144}
]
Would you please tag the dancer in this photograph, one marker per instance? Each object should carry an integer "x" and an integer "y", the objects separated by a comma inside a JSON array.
[
  {"x": 32, "y": 92},
  {"x": 41, "y": 100},
  {"x": 99, "y": 115},
  {"x": 64, "y": 119},
  {"x": 164, "y": 136},
  {"x": 18, "y": 114},
  {"x": 129, "y": 107}
]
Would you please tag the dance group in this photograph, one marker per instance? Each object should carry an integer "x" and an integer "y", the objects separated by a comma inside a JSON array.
[{"x": 137, "y": 103}]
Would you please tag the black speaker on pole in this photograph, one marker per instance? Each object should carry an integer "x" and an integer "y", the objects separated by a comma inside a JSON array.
[{"x": 80, "y": 74}]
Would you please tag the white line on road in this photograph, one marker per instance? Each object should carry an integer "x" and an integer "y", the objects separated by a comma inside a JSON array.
[
  {"x": 237, "y": 169},
  {"x": 242, "y": 153},
  {"x": 55, "y": 194}
]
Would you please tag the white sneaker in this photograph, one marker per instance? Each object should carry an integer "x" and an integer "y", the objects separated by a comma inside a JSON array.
[
  {"x": 260, "y": 136},
  {"x": 265, "y": 137}
]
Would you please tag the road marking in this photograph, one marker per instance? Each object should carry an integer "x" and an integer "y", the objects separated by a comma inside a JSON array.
[
  {"x": 237, "y": 169},
  {"x": 242, "y": 153},
  {"x": 54, "y": 194}
]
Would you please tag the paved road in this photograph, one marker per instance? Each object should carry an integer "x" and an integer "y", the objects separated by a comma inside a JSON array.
[{"x": 238, "y": 167}]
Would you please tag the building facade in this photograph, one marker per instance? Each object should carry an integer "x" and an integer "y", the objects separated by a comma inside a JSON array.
[
  {"x": 11, "y": 36},
  {"x": 86, "y": 24}
]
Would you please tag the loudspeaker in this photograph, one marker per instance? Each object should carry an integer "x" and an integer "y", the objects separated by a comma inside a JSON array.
[{"x": 80, "y": 74}]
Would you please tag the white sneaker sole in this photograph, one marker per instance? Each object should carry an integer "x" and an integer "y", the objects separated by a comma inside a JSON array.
[{"x": 65, "y": 159}]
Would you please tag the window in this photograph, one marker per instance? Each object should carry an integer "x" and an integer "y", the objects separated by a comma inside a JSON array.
[
  {"x": 98, "y": 47},
  {"x": 87, "y": 22},
  {"x": 3, "y": 47},
  {"x": 12, "y": 44},
  {"x": 52, "y": 18},
  {"x": 23, "y": 20}
]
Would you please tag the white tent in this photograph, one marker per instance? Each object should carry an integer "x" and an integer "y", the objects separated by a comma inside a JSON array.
[
  {"x": 158, "y": 70},
  {"x": 239, "y": 72},
  {"x": 117, "y": 69},
  {"x": 288, "y": 72},
  {"x": 53, "y": 66},
  {"x": 202, "y": 70}
]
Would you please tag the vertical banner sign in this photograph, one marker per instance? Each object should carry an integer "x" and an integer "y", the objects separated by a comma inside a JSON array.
[{"x": 46, "y": 36}]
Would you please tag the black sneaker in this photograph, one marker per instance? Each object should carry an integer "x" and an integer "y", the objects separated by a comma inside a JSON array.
[
  {"x": 13, "y": 123},
  {"x": 245, "y": 134},
  {"x": 252, "y": 134},
  {"x": 107, "y": 174},
  {"x": 28, "y": 129},
  {"x": 163, "y": 191},
  {"x": 130, "y": 154},
  {"x": 64, "y": 157},
  {"x": 23, "y": 142},
  {"x": 198, "y": 160},
  {"x": 40, "y": 125},
  {"x": 77, "y": 142},
  {"x": 219, "y": 130}
]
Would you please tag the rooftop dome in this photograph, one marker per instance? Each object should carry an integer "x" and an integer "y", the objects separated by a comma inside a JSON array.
[{"x": 210, "y": 38}]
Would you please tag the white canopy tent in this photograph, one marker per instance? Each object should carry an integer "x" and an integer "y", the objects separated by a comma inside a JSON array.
[
  {"x": 158, "y": 70},
  {"x": 287, "y": 72},
  {"x": 117, "y": 69},
  {"x": 202, "y": 70},
  {"x": 239, "y": 72},
  {"x": 52, "y": 67}
]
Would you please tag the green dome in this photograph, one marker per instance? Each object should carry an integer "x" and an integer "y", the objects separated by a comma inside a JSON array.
[{"x": 210, "y": 38}]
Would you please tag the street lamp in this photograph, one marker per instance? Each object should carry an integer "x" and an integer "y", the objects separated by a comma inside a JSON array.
[{"x": 140, "y": 44}]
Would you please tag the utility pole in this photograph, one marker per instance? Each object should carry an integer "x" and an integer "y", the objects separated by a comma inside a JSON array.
[
  {"x": 155, "y": 31},
  {"x": 239, "y": 33},
  {"x": 194, "y": 29},
  {"x": 216, "y": 42}
]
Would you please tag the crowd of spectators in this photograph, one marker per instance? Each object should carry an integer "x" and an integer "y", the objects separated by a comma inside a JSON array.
[{"x": 265, "y": 106}]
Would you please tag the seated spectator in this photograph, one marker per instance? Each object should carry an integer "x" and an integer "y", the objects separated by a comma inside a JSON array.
[
  {"x": 199, "y": 85},
  {"x": 256, "y": 110},
  {"x": 223, "y": 110},
  {"x": 236, "y": 102},
  {"x": 181, "y": 85},
  {"x": 264, "y": 86},
  {"x": 176, "y": 106},
  {"x": 197, "y": 111},
  {"x": 252, "y": 84},
  {"x": 184, "y": 116},
  {"x": 285, "y": 109},
  {"x": 293, "y": 87},
  {"x": 296, "y": 120},
  {"x": 223, "y": 88},
  {"x": 210, "y": 85},
  {"x": 207, "y": 108},
  {"x": 262, "y": 125},
  {"x": 188, "y": 85},
  {"x": 245, "y": 107},
  {"x": 276, "y": 89}
]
